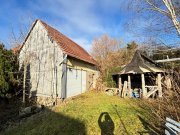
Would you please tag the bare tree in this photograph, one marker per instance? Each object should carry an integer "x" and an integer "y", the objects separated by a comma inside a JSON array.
[
  {"x": 103, "y": 46},
  {"x": 17, "y": 36},
  {"x": 109, "y": 56},
  {"x": 152, "y": 19},
  {"x": 16, "y": 41},
  {"x": 105, "y": 50},
  {"x": 171, "y": 7}
]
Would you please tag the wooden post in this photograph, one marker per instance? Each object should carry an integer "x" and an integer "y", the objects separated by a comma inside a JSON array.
[
  {"x": 168, "y": 82},
  {"x": 124, "y": 89},
  {"x": 129, "y": 85},
  {"x": 120, "y": 83},
  {"x": 159, "y": 85},
  {"x": 144, "y": 92}
]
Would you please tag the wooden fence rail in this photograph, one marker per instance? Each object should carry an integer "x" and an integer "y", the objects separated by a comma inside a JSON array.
[{"x": 172, "y": 127}]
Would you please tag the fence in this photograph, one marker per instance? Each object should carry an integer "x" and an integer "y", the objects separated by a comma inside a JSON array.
[{"x": 172, "y": 127}]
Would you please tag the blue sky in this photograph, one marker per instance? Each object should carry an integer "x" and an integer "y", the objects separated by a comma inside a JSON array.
[{"x": 81, "y": 20}]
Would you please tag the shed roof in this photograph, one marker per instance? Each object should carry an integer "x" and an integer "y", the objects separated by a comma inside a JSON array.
[
  {"x": 140, "y": 64},
  {"x": 68, "y": 46}
]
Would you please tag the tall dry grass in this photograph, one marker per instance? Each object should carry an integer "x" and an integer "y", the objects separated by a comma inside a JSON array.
[{"x": 167, "y": 106}]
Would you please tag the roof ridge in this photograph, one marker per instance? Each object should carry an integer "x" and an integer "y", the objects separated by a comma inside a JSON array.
[
  {"x": 81, "y": 53},
  {"x": 64, "y": 36}
]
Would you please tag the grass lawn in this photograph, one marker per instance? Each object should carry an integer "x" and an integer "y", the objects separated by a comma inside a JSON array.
[{"x": 81, "y": 115}]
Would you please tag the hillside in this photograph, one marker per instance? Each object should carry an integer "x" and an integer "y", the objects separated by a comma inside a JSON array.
[{"x": 81, "y": 115}]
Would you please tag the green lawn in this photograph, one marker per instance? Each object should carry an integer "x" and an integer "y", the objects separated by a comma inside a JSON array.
[{"x": 81, "y": 114}]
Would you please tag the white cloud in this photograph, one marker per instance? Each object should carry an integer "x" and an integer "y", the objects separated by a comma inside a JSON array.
[
  {"x": 76, "y": 19},
  {"x": 81, "y": 20},
  {"x": 78, "y": 14}
]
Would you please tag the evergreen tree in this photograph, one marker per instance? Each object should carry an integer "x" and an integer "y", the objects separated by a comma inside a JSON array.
[
  {"x": 8, "y": 68},
  {"x": 131, "y": 48}
]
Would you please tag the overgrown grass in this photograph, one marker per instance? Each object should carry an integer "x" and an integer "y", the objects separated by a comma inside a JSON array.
[{"x": 80, "y": 116}]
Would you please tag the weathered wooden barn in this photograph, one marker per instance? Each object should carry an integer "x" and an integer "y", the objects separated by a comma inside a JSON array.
[
  {"x": 140, "y": 78},
  {"x": 56, "y": 67}
]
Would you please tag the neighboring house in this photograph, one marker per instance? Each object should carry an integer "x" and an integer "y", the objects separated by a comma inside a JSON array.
[
  {"x": 141, "y": 76},
  {"x": 56, "y": 66}
]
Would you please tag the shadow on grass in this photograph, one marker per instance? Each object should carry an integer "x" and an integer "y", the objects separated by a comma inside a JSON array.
[
  {"x": 48, "y": 122},
  {"x": 106, "y": 124}
]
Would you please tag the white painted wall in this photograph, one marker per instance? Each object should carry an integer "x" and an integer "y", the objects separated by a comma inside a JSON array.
[
  {"x": 73, "y": 82},
  {"x": 42, "y": 54}
]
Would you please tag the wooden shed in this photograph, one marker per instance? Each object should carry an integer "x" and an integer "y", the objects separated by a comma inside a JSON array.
[
  {"x": 55, "y": 67},
  {"x": 140, "y": 78}
]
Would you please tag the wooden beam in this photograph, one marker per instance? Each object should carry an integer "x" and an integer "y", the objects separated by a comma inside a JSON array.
[
  {"x": 129, "y": 82},
  {"x": 124, "y": 89},
  {"x": 159, "y": 85},
  {"x": 120, "y": 85},
  {"x": 129, "y": 85},
  {"x": 152, "y": 91},
  {"x": 120, "y": 82},
  {"x": 167, "y": 60},
  {"x": 144, "y": 92}
]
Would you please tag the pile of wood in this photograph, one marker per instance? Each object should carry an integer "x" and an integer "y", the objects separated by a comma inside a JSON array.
[{"x": 112, "y": 91}]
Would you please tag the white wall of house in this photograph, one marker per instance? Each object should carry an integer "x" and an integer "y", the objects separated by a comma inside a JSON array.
[{"x": 42, "y": 55}]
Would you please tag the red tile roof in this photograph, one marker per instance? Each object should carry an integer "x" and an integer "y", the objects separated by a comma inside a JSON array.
[
  {"x": 68, "y": 46},
  {"x": 16, "y": 49}
]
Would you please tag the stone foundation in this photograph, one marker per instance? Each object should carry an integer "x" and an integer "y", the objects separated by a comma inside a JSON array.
[{"x": 46, "y": 101}]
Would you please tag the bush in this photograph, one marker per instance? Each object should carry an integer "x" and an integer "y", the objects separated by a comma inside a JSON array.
[
  {"x": 8, "y": 67},
  {"x": 109, "y": 79}
]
